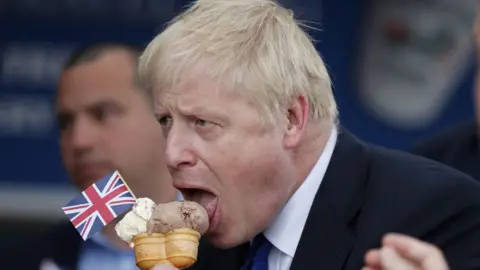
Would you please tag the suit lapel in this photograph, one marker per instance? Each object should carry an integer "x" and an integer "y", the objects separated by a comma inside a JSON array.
[{"x": 327, "y": 237}]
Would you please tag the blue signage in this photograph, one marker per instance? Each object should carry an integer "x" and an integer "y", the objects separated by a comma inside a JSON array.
[{"x": 38, "y": 35}]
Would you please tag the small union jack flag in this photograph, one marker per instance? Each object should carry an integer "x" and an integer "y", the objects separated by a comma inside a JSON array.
[{"x": 99, "y": 204}]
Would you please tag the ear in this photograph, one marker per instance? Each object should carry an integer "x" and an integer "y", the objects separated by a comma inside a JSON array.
[{"x": 297, "y": 117}]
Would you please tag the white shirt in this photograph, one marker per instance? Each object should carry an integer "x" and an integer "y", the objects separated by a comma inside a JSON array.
[{"x": 285, "y": 231}]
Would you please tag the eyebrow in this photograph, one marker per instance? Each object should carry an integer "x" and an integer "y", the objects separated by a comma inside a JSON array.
[
  {"x": 196, "y": 110},
  {"x": 102, "y": 104},
  {"x": 199, "y": 110},
  {"x": 91, "y": 107}
]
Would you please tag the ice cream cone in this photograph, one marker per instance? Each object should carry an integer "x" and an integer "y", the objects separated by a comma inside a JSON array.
[
  {"x": 149, "y": 250},
  {"x": 181, "y": 247}
]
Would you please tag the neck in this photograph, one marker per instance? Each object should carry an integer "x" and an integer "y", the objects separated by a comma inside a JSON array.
[{"x": 310, "y": 151}]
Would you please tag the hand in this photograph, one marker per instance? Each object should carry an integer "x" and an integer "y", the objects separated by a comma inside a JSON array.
[
  {"x": 164, "y": 267},
  {"x": 400, "y": 252}
]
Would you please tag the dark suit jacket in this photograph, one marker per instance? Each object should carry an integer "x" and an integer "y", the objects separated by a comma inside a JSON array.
[
  {"x": 457, "y": 147},
  {"x": 369, "y": 191},
  {"x": 62, "y": 244}
]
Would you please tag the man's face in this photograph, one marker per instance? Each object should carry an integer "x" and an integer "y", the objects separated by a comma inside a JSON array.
[
  {"x": 105, "y": 124},
  {"x": 220, "y": 156}
]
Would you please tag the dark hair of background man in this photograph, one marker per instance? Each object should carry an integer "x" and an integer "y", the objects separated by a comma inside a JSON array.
[{"x": 93, "y": 51}]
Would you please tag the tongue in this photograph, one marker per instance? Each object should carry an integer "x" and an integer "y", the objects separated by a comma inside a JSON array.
[{"x": 208, "y": 201}]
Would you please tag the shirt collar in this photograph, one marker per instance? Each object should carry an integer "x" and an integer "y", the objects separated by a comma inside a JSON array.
[{"x": 285, "y": 231}]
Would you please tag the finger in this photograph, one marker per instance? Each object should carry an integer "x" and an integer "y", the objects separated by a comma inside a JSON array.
[
  {"x": 372, "y": 259},
  {"x": 164, "y": 267},
  {"x": 421, "y": 253},
  {"x": 391, "y": 260},
  {"x": 435, "y": 262},
  {"x": 408, "y": 247}
]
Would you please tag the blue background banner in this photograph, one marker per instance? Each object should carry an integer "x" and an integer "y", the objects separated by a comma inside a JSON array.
[{"x": 38, "y": 35}]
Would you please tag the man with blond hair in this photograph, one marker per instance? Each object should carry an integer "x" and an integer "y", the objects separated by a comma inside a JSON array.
[{"x": 252, "y": 134}]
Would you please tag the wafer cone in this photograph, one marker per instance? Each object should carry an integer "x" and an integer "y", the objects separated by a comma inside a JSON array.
[
  {"x": 181, "y": 247},
  {"x": 149, "y": 250}
]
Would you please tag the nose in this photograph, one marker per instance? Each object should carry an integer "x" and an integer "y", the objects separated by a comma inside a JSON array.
[
  {"x": 178, "y": 152},
  {"x": 83, "y": 136}
]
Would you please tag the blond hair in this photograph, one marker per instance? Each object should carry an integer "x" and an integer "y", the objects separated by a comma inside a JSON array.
[{"x": 255, "y": 47}]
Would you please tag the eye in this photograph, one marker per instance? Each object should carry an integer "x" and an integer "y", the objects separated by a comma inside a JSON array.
[
  {"x": 65, "y": 121},
  {"x": 106, "y": 111},
  {"x": 202, "y": 123},
  {"x": 165, "y": 121},
  {"x": 103, "y": 114}
]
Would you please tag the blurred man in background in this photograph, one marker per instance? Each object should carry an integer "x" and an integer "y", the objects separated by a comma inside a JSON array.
[
  {"x": 106, "y": 123},
  {"x": 458, "y": 147}
]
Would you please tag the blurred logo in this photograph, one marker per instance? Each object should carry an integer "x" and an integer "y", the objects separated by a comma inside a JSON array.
[
  {"x": 86, "y": 10},
  {"x": 414, "y": 52},
  {"x": 35, "y": 64},
  {"x": 25, "y": 116}
]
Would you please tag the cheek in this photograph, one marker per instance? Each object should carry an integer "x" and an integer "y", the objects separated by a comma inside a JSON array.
[
  {"x": 121, "y": 143},
  {"x": 255, "y": 193},
  {"x": 68, "y": 161},
  {"x": 250, "y": 169},
  {"x": 244, "y": 165},
  {"x": 67, "y": 153},
  {"x": 64, "y": 147}
]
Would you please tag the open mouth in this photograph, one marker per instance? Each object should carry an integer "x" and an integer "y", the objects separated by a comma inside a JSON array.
[{"x": 207, "y": 200}]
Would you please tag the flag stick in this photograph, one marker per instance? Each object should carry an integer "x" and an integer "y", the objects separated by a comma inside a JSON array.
[{"x": 125, "y": 182}]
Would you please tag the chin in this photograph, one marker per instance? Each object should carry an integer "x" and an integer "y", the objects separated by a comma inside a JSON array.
[
  {"x": 85, "y": 180},
  {"x": 221, "y": 244},
  {"x": 224, "y": 241}
]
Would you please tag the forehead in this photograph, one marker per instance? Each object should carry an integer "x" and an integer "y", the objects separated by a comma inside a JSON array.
[
  {"x": 109, "y": 76},
  {"x": 198, "y": 94}
]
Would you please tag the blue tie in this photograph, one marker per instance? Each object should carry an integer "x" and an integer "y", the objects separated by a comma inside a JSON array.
[{"x": 258, "y": 256}]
